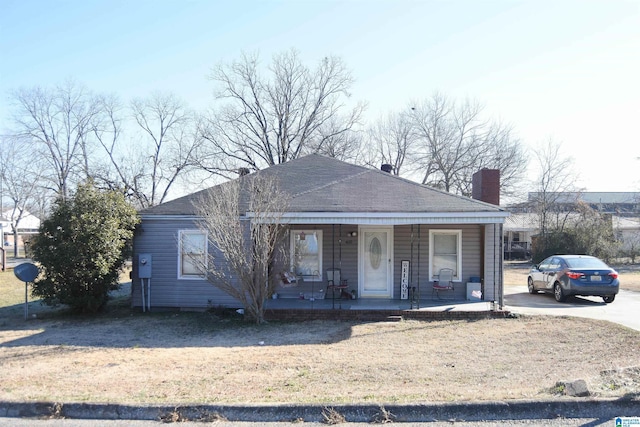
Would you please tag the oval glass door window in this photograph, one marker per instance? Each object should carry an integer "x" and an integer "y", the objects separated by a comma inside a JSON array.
[{"x": 375, "y": 253}]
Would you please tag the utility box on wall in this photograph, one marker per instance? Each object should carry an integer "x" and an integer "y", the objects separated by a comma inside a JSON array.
[{"x": 144, "y": 266}]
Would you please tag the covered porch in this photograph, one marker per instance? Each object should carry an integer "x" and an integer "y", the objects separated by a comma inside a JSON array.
[{"x": 390, "y": 261}]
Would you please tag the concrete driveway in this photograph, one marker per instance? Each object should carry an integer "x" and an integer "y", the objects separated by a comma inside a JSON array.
[{"x": 624, "y": 310}]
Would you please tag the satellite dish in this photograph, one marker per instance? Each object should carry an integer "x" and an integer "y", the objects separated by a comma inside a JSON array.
[{"x": 27, "y": 272}]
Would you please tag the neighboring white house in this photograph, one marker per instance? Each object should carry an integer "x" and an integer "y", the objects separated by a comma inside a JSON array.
[
  {"x": 623, "y": 207},
  {"x": 626, "y": 204},
  {"x": 27, "y": 227},
  {"x": 519, "y": 229},
  {"x": 627, "y": 231},
  {"x": 5, "y": 225}
]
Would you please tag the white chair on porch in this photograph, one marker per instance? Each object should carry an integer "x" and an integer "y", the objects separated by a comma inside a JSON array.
[{"x": 444, "y": 282}]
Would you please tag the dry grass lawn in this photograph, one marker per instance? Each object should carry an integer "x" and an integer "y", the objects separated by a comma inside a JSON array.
[{"x": 177, "y": 358}]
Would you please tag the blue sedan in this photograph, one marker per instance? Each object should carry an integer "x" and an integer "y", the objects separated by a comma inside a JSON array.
[{"x": 565, "y": 275}]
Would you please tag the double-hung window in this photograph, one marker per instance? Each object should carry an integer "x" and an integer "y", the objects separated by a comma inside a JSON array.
[
  {"x": 306, "y": 253},
  {"x": 445, "y": 251},
  {"x": 192, "y": 254}
]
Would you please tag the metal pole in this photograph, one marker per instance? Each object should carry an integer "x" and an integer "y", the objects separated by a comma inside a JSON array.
[
  {"x": 144, "y": 304},
  {"x": 26, "y": 300}
]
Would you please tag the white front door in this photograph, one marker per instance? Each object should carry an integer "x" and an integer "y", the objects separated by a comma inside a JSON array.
[{"x": 375, "y": 262}]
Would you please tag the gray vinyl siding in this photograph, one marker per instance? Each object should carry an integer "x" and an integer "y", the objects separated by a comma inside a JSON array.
[
  {"x": 419, "y": 272},
  {"x": 160, "y": 238},
  {"x": 339, "y": 250}
]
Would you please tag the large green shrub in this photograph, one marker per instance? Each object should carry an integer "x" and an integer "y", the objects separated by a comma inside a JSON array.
[{"x": 82, "y": 247}]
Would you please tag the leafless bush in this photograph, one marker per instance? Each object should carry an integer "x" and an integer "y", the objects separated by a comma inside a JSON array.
[
  {"x": 243, "y": 223},
  {"x": 383, "y": 416},
  {"x": 331, "y": 416},
  {"x": 56, "y": 411}
]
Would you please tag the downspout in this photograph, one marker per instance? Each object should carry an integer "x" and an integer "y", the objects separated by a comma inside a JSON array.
[
  {"x": 483, "y": 257},
  {"x": 418, "y": 266},
  {"x": 411, "y": 291}
]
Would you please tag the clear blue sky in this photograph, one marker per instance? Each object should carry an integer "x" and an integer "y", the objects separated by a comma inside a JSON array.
[{"x": 565, "y": 69}]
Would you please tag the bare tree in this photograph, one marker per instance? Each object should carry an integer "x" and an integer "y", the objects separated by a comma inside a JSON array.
[
  {"x": 164, "y": 150},
  {"x": 336, "y": 142},
  {"x": 454, "y": 141},
  {"x": 498, "y": 150},
  {"x": 555, "y": 184},
  {"x": 115, "y": 171},
  {"x": 172, "y": 137},
  {"x": 391, "y": 140},
  {"x": 20, "y": 174},
  {"x": 58, "y": 124},
  {"x": 267, "y": 120},
  {"x": 446, "y": 139},
  {"x": 243, "y": 223}
]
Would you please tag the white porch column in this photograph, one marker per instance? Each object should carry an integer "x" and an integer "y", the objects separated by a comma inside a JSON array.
[{"x": 493, "y": 263}]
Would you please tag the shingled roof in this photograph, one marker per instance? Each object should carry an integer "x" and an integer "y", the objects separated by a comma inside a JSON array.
[{"x": 318, "y": 184}]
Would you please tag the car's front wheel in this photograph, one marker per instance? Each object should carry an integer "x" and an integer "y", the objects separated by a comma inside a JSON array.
[
  {"x": 532, "y": 289},
  {"x": 558, "y": 292},
  {"x": 608, "y": 298}
]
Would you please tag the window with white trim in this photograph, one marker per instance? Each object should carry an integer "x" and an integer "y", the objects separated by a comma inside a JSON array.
[
  {"x": 192, "y": 254},
  {"x": 445, "y": 251},
  {"x": 306, "y": 253}
]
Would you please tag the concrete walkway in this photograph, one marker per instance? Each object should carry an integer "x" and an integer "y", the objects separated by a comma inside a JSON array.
[{"x": 624, "y": 310}]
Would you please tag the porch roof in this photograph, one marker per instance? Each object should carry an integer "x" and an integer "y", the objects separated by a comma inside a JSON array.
[{"x": 387, "y": 218}]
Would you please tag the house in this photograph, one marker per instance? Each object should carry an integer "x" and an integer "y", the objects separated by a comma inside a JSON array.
[
  {"x": 27, "y": 227},
  {"x": 623, "y": 208},
  {"x": 385, "y": 235},
  {"x": 613, "y": 202},
  {"x": 627, "y": 231},
  {"x": 519, "y": 230}
]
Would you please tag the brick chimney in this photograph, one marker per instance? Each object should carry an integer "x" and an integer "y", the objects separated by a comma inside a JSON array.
[{"x": 486, "y": 186}]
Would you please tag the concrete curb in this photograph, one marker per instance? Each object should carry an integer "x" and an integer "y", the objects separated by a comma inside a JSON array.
[{"x": 468, "y": 411}]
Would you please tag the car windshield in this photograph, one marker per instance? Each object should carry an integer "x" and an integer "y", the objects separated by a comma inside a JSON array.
[{"x": 585, "y": 263}]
